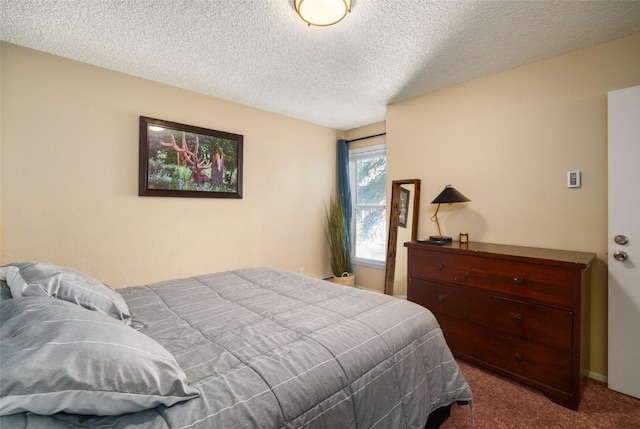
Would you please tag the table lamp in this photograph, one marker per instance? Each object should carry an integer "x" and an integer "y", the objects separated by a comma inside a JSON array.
[{"x": 447, "y": 196}]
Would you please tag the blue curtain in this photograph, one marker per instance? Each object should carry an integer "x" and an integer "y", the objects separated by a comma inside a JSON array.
[{"x": 344, "y": 188}]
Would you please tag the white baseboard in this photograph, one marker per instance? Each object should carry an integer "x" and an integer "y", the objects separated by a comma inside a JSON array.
[
  {"x": 367, "y": 288},
  {"x": 598, "y": 377}
]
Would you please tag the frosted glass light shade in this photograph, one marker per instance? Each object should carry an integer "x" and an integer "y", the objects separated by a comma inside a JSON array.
[{"x": 322, "y": 12}]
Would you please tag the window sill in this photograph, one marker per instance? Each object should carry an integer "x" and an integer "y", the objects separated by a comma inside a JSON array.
[{"x": 370, "y": 263}]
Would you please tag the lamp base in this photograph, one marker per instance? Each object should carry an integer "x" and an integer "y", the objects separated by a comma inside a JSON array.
[{"x": 440, "y": 239}]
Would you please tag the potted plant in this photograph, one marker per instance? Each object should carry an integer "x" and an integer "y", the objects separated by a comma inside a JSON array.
[{"x": 339, "y": 248}]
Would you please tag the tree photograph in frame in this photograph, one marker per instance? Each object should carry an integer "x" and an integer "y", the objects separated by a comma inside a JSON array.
[
  {"x": 404, "y": 207},
  {"x": 178, "y": 160}
]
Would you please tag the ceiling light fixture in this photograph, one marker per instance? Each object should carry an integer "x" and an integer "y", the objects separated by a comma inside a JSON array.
[{"x": 322, "y": 13}]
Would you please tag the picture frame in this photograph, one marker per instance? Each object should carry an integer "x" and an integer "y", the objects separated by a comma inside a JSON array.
[
  {"x": 404, "y": 207},
  {"x": 178, "y": 160}
]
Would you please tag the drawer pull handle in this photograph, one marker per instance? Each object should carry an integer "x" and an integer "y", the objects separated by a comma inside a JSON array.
[
  {"x": 440, "y": 267},
  {"x": 518, "y": 280},
  {"x": 519, "y": 357},
  {"x": 517, "y": 318},
  {"x": 441, "y": 297}
]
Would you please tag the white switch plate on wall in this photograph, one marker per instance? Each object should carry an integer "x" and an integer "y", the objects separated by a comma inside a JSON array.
[{"x": 573, "y": 179}]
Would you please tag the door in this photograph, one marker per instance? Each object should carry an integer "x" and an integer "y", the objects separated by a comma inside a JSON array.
[{"x": 624, "y": 241}]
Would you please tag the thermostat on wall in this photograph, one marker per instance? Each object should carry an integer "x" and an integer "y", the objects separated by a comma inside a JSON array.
[{"x": 573, "y": 179}]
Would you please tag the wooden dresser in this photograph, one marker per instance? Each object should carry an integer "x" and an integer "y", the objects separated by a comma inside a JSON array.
[{"x": 522, "y": 312}]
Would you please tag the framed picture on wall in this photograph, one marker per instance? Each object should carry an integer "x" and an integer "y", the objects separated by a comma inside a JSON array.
[
  {"x": 178, "y": 160},
  {"x": 404, "y": 207}
]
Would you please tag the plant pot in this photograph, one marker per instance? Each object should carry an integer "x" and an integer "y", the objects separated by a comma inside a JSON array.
[{"x": 347, "y": 279}]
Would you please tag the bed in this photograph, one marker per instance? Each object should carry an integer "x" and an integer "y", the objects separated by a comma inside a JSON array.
[{"x": 248, "y": 348}]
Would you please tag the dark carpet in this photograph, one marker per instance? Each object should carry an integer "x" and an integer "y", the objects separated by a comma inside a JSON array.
[{"x": 500, "y": 403}]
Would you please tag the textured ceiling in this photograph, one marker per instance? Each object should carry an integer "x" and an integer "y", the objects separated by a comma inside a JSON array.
[{"x": 259, "y": 53}]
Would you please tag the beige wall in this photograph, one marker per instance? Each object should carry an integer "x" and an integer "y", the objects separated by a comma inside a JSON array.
[
  {"x": 506, "y": 141},
  {"x": 68, "y": 185},
  {"x": 69, "y": 179}
]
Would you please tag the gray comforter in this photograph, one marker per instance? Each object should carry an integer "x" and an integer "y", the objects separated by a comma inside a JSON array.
[{"x": 268, "y": 348}]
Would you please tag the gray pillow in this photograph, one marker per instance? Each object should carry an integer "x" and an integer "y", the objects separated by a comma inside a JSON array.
[
  {"x": 43, "y": 279},
  {"x": 59, "y": 357},
  {"x": 5, "y": 292}
]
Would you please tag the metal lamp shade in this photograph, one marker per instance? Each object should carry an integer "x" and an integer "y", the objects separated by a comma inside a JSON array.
[{"x": 450, "y": 195}]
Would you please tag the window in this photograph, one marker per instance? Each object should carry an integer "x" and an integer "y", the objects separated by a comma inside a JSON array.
[{"x": 368, "y": 173}]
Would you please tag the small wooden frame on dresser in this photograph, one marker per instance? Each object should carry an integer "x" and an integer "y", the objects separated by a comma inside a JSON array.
[{"x": 522, "y": 312}]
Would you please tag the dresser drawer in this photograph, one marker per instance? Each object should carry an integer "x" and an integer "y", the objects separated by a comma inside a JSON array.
[
  {"x": 539, "y": 364},
  {"x": 533, "y": 282},
  {"x": 545, "y": 325}
]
